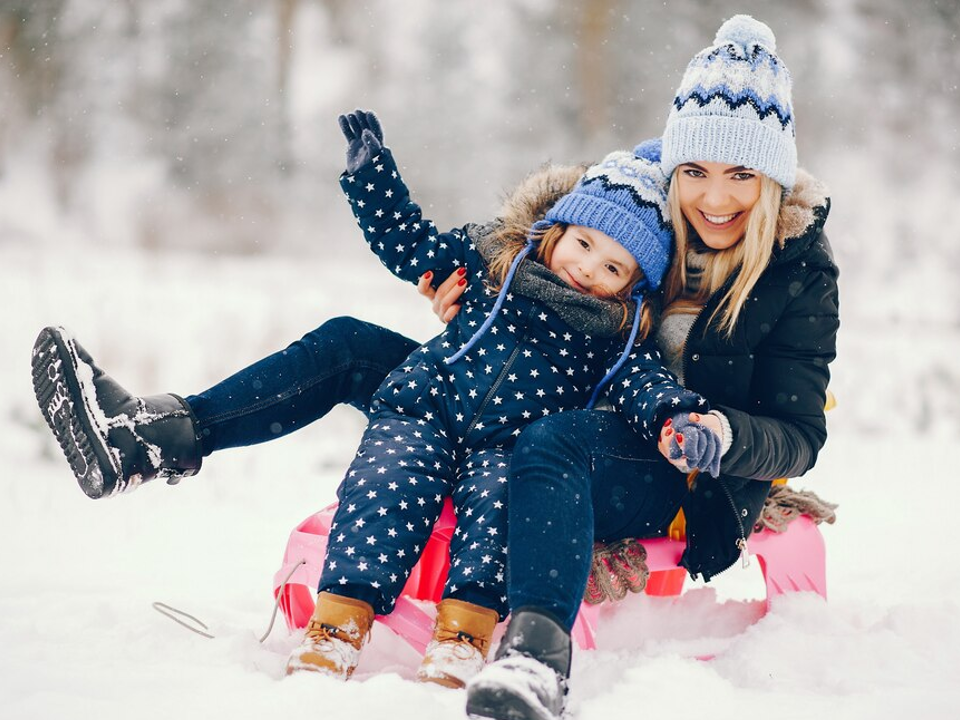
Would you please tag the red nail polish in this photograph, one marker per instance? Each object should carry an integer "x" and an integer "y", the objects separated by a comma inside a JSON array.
[
  {"x": 679, "y": 437},
  {"x": 428, "y": 274},
  {"x": 462, "y": 282},
  {"x": 461, "y": 271},
  {"x": 668, "y": 432},
  {"x": 668, "y": 423}
]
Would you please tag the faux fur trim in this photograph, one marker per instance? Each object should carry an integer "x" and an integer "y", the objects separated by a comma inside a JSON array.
[
  {"x": 538, "y": 192},
  {"x": 797, "y": 208}
]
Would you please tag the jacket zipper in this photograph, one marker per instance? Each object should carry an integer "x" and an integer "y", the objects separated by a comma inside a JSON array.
[
  {"x": 742, "y": 541},
  {"x": 503, "y": 373}
]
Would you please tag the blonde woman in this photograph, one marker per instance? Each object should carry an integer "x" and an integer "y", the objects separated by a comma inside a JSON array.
[{"x": 749, "y": 322}]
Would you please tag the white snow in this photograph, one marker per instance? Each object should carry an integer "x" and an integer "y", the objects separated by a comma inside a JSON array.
[{"x": 77, "y": 578}]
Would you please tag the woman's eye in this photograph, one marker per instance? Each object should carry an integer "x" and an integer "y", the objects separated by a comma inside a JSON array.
[
  {"x": 743, "y": 176},
  {"x": 583, "y": 243},
  {"x": 690, "y": 172},
  {"x": 613, "y": 269}
]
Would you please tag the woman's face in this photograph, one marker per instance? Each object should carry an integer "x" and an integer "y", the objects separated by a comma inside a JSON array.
[
  {"x": 592, "y": 262},
  {"x": 716, "y": 199}
]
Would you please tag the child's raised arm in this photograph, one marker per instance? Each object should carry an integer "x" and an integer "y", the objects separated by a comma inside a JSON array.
[{"x": 393, "y": 225}]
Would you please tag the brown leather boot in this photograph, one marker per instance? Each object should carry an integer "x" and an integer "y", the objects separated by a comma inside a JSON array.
[
  {"x": 338, "y": 629},
  {"x": 461, "y": 639}
]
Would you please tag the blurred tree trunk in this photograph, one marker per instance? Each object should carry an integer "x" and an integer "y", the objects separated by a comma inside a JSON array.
[
  {"x": 286, "y": 18},
  {"x": 592, "y": 69}
]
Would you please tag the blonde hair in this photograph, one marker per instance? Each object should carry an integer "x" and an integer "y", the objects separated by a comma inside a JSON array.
[
  {"x": 546, "y": 242},
  {"x": 748, "y": 258}
]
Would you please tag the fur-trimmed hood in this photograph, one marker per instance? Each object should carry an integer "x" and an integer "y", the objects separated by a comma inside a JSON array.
[{"x": 803, "y": 213}]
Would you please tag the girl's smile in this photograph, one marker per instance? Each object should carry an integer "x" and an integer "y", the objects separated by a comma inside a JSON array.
[{"x": 592, "y": 262}]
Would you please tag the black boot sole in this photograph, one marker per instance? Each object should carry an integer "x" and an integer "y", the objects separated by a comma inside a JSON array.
[
  {"x": 69, "y": 405},
  {"x": 494, "y": 702}
]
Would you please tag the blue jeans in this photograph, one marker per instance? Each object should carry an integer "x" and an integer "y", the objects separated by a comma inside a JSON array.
[
  {"x": 342, "y": 361},
  {"x": 576, "y": 477}
]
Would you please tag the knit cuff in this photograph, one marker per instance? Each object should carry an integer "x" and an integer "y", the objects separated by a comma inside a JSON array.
[{"x": 727, "y": 439}]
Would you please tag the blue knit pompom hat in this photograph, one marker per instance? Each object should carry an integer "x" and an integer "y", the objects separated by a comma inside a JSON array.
[
  {"x": 625, "y": 197},
  {"x": 734, "y": 106}
]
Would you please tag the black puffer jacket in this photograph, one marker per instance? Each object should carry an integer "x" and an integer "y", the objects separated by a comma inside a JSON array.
[{"x": 769, "y": 378}]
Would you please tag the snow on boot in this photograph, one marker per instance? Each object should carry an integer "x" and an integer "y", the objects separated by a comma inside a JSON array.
[
  {"x": 112, "y": 440},
  {"x": 335, "y": 634},
  {"x": 528, "y": 678},
  {"x": 461, "y": 639}
]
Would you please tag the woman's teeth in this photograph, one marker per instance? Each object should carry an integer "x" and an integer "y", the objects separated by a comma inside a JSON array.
[{"x": 719, "y": 219}]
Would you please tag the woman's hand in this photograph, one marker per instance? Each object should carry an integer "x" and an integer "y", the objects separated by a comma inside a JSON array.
[
  {"x": 445, "y": 297},
  {"x": 692, "y": 441}
]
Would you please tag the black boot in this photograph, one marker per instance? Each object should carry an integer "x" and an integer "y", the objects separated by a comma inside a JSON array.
[
  {"x": 528, "y": 678},
  {"x": 112, "y": 440}
]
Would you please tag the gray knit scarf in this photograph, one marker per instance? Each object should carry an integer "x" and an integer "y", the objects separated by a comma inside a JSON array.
[{"x": 594, "y": 316}]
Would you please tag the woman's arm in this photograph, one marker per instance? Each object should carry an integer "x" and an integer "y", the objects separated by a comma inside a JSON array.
[{"x": 785, "y": 427}]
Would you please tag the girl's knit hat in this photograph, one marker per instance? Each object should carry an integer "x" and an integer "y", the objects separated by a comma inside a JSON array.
[
  {"x": 733, "y": 106},
  {"x": 625, "y": 197}
]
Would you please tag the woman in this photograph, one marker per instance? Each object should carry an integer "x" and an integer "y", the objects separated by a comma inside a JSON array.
[{"x": 749, "y": 321}]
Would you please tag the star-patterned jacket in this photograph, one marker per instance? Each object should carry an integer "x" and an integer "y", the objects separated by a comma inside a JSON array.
[{"x": 531, "y": 362}]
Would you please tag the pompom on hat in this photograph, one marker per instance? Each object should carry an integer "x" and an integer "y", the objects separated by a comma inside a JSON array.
[{"x": 734, "y": 106}]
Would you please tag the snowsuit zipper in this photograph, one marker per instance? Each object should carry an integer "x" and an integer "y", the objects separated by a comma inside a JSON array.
[{"x": 503, "y": 373}]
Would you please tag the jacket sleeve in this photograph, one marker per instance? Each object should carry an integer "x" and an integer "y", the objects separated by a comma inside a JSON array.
[
  {"x": 783, "y": 434},
  {"x": 394, "y": 227},
  {"x": 647, "y": 394}
]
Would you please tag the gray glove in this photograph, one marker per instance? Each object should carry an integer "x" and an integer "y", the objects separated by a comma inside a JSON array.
[
  {"x": 701, "y": 448},
  {"x": 364, "y": 138}
]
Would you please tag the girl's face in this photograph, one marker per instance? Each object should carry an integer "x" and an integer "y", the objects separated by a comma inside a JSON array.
[
  {"x": 716, "y": 199},
  {"x": 592, "y": 262}
]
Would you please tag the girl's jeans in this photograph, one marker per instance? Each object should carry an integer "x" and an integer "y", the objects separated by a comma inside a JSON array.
[
  {"x": 575, "y": 477},
  {"x": 342, "y": 361}
]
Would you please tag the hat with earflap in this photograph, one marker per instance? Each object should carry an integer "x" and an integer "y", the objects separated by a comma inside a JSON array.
[{"x": 734, "y": 106}]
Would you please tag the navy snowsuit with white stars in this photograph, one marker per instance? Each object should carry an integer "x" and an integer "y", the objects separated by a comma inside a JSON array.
[{"x": 442, "y": 430}]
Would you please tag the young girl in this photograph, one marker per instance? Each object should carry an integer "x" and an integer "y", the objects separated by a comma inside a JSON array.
[{"x": 535, "y": 337}]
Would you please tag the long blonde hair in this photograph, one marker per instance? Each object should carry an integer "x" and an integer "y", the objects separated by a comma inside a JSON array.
[
  {"x": 748, "y": 258},
  {"x": 546, "y": 243}
]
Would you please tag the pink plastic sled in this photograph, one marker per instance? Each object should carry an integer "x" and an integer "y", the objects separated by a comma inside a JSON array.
[{"x": 792, "y": 561}]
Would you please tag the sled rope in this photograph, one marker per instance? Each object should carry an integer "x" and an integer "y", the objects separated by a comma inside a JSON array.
[{"x": 173, "y": 613}]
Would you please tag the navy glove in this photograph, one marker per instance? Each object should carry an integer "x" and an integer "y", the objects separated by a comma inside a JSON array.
[
  {"x": 701, "y": 447},
  {"x": 364, "y": 138}
]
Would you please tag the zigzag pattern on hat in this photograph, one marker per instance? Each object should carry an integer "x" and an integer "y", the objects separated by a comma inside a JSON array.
[
  {"x": 662, "y": 211},
  {"x": 735, "y": 100}
]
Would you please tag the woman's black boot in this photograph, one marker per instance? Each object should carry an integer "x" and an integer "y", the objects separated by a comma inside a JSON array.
[
  {"x": 528, "y": 678},
  {"x": 113, "y": 440}
]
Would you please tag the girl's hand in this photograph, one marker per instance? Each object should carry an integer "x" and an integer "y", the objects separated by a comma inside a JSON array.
[
  {"x": 445, "y": 305},
  {"x": 692, "y": 441},
  {"x": 364, "y": 138}
]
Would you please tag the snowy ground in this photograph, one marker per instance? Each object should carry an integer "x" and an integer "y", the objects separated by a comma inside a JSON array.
[{"x": 79, "y": 637}]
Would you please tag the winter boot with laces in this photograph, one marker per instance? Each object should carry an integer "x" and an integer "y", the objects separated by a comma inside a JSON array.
[
  {"x": 528, "y": 678},
  {"x": 335, "y": 634},
  {"x": 112, "y": 440},
  {"x": 461, "y": 639}
]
